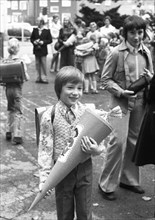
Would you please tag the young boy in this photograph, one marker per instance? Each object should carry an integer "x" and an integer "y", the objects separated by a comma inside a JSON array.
[
  {"x": 102, "y": 53},
  {"x": 15, "y": 122},
  {"x": 75, "y": 190},
  {"x": 125, "y": 64}
]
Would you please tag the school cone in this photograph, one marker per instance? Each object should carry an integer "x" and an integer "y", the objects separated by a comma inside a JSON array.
[{"x": 90, "y": 125}]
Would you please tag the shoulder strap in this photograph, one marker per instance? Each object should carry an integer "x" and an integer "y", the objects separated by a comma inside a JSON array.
[{"x": 53, "y": 114}]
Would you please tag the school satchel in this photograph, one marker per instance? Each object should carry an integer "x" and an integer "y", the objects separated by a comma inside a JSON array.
[
  {"x": 12, "y": 72},
  {"x": 38, "y": 115}
]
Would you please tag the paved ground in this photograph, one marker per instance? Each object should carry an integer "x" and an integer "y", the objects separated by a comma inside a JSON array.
[{"x": 19, "y": 172}]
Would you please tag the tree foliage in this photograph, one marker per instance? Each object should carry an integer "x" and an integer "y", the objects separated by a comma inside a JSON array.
[{"x": 90, "y": 15}]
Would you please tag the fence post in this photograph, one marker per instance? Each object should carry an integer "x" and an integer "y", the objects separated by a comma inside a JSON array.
[
  {"x": 1, "y": 44},
  {"x": 22, "y": 34}
]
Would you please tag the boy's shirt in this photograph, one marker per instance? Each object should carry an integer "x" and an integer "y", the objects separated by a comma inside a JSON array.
[{"x": 54, "y": 137}]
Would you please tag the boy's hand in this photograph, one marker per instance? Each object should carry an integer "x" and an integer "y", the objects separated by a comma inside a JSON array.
[
  {"x": 90, "y": 146},
  {"x": 147, "y": 74},
  {"x": 36, "y": 41},
  {"x": 48, "y": 193},
  {"x": 128, "y": 94},
  {"x": 41, "y": 42}
]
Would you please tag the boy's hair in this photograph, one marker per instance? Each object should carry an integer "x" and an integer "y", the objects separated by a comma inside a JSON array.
[
  {"x": 13, "y": 46},
  {"x": 107, "y": 17},
  {"x": 104, "y": 41},
  {"x": 40, "y": 21},
  {"x": 92, "y": 24},
  {"x": 55, "y": 16},
  {"x": 133, "y": 22},
  {"x": 93, "y": 38},
  {"x": 67, "y": 74}
]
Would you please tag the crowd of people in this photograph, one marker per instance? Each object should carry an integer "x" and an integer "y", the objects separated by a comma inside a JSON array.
[
  {"x": 65, "y": 39},
  {"x": 125, "y": 69}
]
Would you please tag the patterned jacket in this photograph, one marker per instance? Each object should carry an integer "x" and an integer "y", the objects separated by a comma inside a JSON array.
[{"x": 54, "y": 136}]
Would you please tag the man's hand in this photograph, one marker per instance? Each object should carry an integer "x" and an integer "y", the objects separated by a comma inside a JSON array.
[{"x": 115, "y": 112}]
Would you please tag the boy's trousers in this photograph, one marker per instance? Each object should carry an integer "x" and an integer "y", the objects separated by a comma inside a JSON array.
[
  {"x": 74, "y": 192},
  {"x": 15, "y": 120},
  {"x": 41, "y": 67},
  {"x": 118, "y": 165}
]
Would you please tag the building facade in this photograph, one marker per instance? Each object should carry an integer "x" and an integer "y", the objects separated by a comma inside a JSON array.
[{"x": 29, "y": 10}]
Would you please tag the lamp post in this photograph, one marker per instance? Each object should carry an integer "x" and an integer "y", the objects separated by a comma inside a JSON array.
[{"x": 3, "y": 24}]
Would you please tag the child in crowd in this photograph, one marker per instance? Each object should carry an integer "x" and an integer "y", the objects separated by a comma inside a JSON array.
[
  {"x": 54, "y": 28},
  {"x": 40, "y": 38},
  {"x": 15, "y": 121},
  {"x": 90, "y": 67},
  {"x": 102, "y": 53},
  {"x": 75, "y": 190}
]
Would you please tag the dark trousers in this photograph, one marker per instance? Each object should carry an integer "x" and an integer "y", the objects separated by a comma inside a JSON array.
[
  {"x": 67, "y": 57},
  {"x": 74, "y": 192}
]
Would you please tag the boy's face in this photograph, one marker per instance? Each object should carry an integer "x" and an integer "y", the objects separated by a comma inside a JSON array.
[
  {"x": 71, "y": 93},
  {"x": 135, "y": 37},
  {"x": 107, "y": 22}
]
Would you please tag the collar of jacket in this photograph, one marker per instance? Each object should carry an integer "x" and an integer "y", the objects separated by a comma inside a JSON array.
[
  {"x": 63, "y": 108},
  {"x": 123, "y": 46}
]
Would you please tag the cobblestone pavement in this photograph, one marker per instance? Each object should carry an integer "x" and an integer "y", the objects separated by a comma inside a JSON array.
[{"x": 19, "y": 171}]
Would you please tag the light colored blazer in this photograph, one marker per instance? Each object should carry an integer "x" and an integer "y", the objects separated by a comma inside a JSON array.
[{"x": 115, "y": 75}]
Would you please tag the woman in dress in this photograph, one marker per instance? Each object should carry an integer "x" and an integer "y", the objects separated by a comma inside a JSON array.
[{"x": 68, "y": 31}]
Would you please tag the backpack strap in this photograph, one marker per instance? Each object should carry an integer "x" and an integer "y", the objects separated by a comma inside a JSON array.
[{"x": 53, "y": 114}]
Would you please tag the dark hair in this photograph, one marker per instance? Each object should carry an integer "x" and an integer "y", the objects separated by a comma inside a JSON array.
[
  {"x": 55, "y": 16},
  {"x": 107, "y": 17},
  {"x": 42, "y": 22},
  {"x": 67, "y": 74},
  {"x": 133, "y": 22},
  {"x": 78, "y": 21}
]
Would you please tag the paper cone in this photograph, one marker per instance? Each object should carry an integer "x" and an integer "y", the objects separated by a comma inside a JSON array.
[
  {"x": 90, "y": 125},
  {"x": 71, "y": 40},
  {"x": 38, "y": 113}
]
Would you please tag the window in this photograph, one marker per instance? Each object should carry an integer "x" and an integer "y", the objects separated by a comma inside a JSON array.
[
  {"x": 23, "y": 5},
  {"x": 14, "y": 5},
  {"x": 8, "y": 4},
  {"x": 54, "y": 9},
  {"x": 66, "y": 3},
  {"x": 43, "y": 3},
  {"x": 54, "y": 1}
]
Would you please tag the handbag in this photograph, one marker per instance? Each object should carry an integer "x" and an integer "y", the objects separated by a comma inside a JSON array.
[
  {"x": 138, "y": 85},
  {"x": 57, "y": 45}
]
